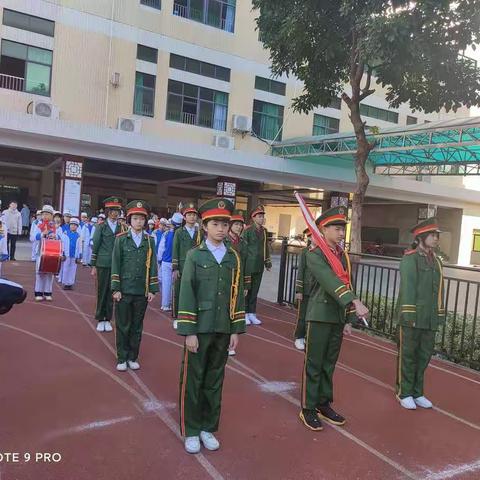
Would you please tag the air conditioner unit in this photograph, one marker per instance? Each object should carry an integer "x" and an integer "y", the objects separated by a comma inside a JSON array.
[
  {"x": 133, "y": 125},
  {"x": 223, "y": 141},
  {"x": 242, "y": 123},
  {"x": 40, "y": 108}
]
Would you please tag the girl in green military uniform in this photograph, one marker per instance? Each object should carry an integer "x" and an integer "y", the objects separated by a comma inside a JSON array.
[
  {"x": 210, "y": 317},
  {"x": 420, "y": 312}
]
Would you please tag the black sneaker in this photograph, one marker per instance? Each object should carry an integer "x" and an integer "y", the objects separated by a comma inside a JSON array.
[
  {"x": 310, "y": 420},
  {"x": 330, "y": 415}
]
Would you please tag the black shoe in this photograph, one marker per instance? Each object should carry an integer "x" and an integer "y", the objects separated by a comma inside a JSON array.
[
  {"x": 310, "y": 420},
  {"x": 330, "y": 415}
]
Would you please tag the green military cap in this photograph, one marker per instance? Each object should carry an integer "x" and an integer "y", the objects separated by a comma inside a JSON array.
[
  {"x": 138, "y": 207},
  {"x": 190, "y": 208},
  {"x": 238, "y": 216},
  {"x": 333, "y": 216},
  {"x": 216, "y": 208},
  {"x": 257, "y": 211},
  {"x": 426, "y": 226},
  {"x": 113, "y": 202}
]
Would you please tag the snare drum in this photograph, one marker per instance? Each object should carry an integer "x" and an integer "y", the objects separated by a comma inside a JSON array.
[{"x": 50, "y": 256}]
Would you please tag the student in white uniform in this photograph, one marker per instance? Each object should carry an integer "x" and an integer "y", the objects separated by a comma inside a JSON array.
[
  {"x": 72, "y": 253},
  {"x": 3, "y": 245},
  {"x": 38, "y": 219},
  {"x": 87, "y": 236}
]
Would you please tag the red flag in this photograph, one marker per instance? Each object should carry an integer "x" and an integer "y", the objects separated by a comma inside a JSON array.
[{"x": 332, "y": 259}]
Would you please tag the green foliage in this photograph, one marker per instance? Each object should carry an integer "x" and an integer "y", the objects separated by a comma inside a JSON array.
[{"x": 413, "y": 47}]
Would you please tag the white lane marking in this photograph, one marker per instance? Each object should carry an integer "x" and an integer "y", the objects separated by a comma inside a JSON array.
[
  {"x": 98, "y": 424},
  {"x": 454, "y": 471},
  {"x": 277, "y": 387},
  {"x": 161, "y": 413}
]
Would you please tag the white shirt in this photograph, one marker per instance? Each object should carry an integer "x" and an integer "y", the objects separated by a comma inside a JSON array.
[
  {"x": 137, "y": 237},
  {"x": 217, "y": 251},
  {"x": 112, "y": 225},
  {"x": 190, "y": 230}
]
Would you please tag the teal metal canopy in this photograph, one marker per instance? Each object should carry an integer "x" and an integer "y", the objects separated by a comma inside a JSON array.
[{"x": 449, "y": 147}]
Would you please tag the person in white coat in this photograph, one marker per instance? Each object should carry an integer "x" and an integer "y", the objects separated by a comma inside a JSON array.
[
  {"x": 38, "y": 219},
  {"x": 3, "y": 246},
  {"x": 87, "y": 237},
  {"x": 46, "y": 229},
  {"x": 72, "y": 253}
]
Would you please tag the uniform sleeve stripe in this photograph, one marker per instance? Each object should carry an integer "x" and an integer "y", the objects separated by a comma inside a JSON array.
[
  {"x": 344, "y": 293},
  {"x": 187, "y": 313},
  {"x": 185, "y": 321}
]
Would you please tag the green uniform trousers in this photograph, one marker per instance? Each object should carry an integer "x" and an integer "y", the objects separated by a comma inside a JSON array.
[
  {"x": 175, "y": 296},
  {"x": 104, "y": 309},
  {"x": 301, "y": 313},
  {"x": 415, "y": 348},
  {"x": 323, "y": 343},
  {"x": 201, "y": 382},
  {"x": 252, "y": 295},
  {"x": 129, "y": 314}
]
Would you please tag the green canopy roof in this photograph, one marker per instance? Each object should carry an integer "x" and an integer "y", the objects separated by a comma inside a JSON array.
[{"x": 450, "y": 147}]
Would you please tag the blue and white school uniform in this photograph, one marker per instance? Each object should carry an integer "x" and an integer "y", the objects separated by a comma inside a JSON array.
[
  {"x": 3, "y": 249},
  {"x": 72, "y": 251},
  {"x": 165, "y": 253},
  {"x": 87, "y": 235},
  {"x": 33, "y": 240}
]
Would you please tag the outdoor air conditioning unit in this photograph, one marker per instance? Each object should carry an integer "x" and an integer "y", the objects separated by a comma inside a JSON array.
[
  {"x": 40, "y": 108},
  {"x": 133, "y": 125},
  {"x": 242, "y": 123},
  {"x": 223, "y": 141}
]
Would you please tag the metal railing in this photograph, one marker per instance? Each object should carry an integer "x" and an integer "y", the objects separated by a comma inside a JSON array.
[
  {"x": 200, "y": 16},
  {"x": 12, "y": 83},
  {"x": 376, "y": 281}
]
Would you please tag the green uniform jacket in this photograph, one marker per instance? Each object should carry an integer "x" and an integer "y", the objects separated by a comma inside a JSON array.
[
  {"x": 206, "y": 294},
  {"x": 330, "y": 299},
  {"x": 103, "y": 240},
  {"x": 130, "y": 264},
  {"x": 182, "y": 244},
  {"x": 420, "y": 302},
  {"x": 305, "y": 278},
  {"x": 258, "y": 250},
  {"x": 241, "y": 249}
]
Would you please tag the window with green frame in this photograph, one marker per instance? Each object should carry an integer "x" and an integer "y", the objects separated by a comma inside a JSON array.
[
  {"x": 28, "y": 22},
  {"x": 200, "y": 68},
  {"x": 25, "y": 68},
  {"x": 144, "y": 97},
  {"x": 323, "y": 125},
  {"x": 379, "y": 113},
  {"x": 216, "y": 13},
  {"x": 198, "y": 106},
  {"x": 267, "y": 120},
  {"x": 269, "y": 85},
  {"x": 147, "y": 54},
  {"x": 476, "y": 240}
]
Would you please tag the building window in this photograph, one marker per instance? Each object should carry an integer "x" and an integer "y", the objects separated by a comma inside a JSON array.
[
  {"x": 147, "y": 54},
  {"x": 197, "y": 105},
  {"x": 476, "y": 240},
  {"x": 336, "y": 103},
  {"x": 200, "y": 68},
  {"x": 25, "y": 68},
  {"x": 157, "y": 4},
  {"x": 269, "y": 85},
  {"x": 379, "y": 113},
  {"x": 216, "y": 13},
  {"x": 28, "y": 22},
  {"x": 267, "y": 121},
  {"x": 144, "y": 98},
  {"x": 412, "y": 120},
  {"x": 323, "y": 125}
]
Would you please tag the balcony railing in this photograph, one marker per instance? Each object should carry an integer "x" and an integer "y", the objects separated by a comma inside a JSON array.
[
  {"x": 199, "y": 16},
  {"x": 12, "y": 83}
]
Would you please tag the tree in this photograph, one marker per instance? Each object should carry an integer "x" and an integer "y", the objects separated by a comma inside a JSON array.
[{"x": 412, "y": 48}]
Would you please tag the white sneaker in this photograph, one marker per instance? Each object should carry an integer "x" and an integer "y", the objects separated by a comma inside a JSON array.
[
  {"x": 39, "y": 298},
  {"x": 107, "y": 326},
  {"x": 423, "y": 402},
  {"x": 48, "y": 298},
  {"x": 100, "y": 326},
  {"x": 175, "y": 324},
  {"x": 254, "y": 320},
  {"x": 247, "y": 319},
  {"x": 209, "y": 441},
  {"x": 133, "y": 365},
  {"x": 122, "y": 367},
  {"x": 300, "y": 344},
  {"x": 408, "y": 403},
  {"x": 192, "y": 444},
  {"x": 232, "y": 353}
]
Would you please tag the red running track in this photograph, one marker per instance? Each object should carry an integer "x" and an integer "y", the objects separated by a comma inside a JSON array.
[{"x": 62, "y": 394}]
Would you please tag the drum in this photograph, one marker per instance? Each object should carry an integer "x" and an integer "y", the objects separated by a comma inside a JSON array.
[{"x": 50, "y": 256}]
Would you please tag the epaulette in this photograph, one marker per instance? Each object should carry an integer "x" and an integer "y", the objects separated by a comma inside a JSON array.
[
  {"x": 121, "y": 234},
  {"x": 410, "y": 252}
]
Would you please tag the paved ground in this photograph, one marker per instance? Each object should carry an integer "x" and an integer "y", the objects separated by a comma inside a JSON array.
[{"x": 61, "y": 393}]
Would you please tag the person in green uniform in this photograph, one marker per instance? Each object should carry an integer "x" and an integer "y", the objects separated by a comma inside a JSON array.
[
  {"x": 210, "y": 317},
  {"x": 258, "y": 259},
  {"x": 102, "y": 248},
  {"x": 420, "y": 312},
  {"x": 234, "y": 239},
  {"x": 331, "y": 306},
  {"x": 303, "y": 286},
  {"x": 134, "y": 284},
  {"x": 186, "y": 238}
]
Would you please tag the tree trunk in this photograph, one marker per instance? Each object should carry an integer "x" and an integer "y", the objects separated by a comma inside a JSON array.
[{"x": 363, "y": 149}]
